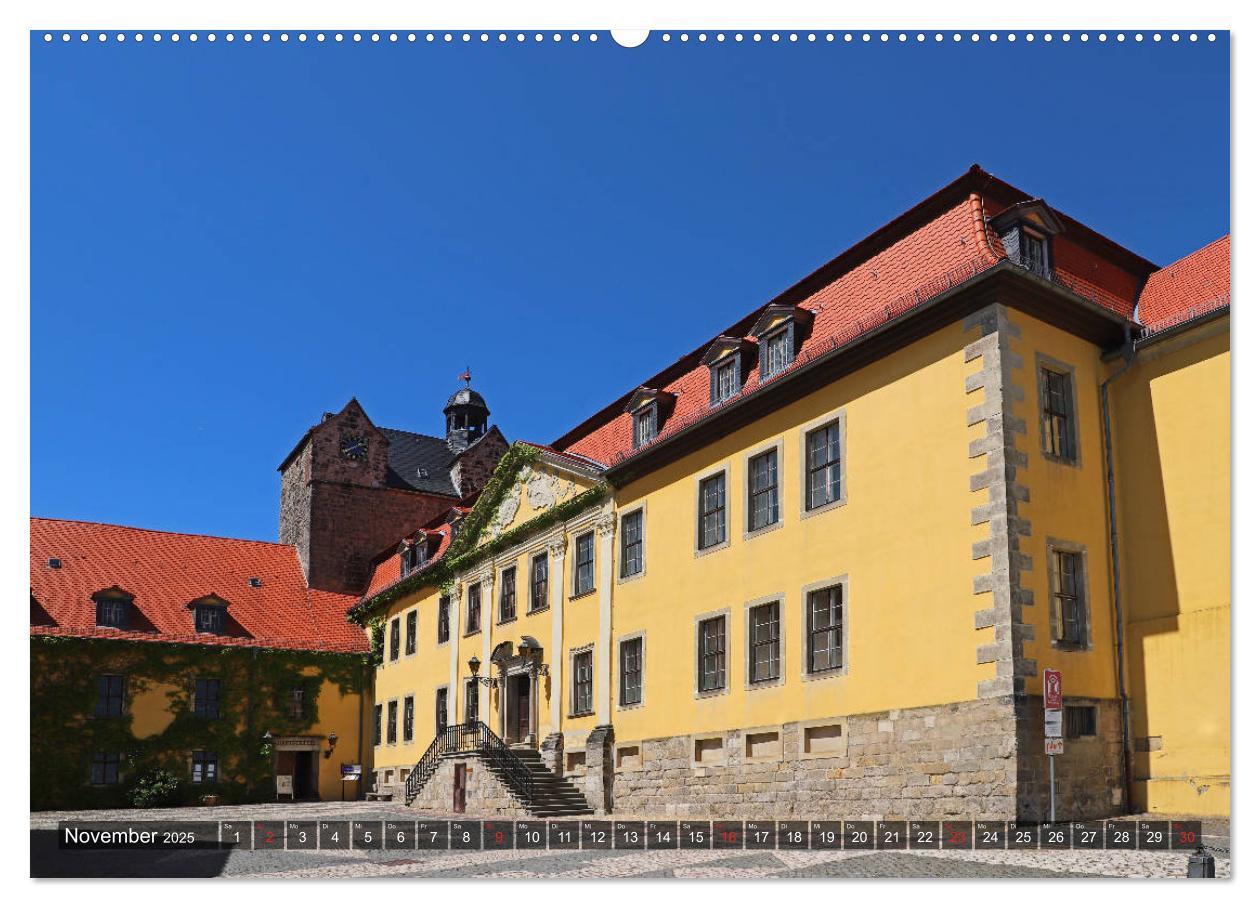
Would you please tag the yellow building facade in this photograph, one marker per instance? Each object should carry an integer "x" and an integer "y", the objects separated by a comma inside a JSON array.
[{"x": 818, "y": 566}]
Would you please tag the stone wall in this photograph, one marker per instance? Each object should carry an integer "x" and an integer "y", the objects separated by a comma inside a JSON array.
[
  {"x": 473, "y": 467},
  {"x": 485, "y": 795},
  {"x": 350, "y": 525},
  {"x": 1088, "y": 777},
  {"x": 955, "y": 760}
]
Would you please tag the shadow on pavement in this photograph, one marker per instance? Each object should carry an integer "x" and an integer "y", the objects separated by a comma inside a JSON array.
[{"x": 50, "y": 862}]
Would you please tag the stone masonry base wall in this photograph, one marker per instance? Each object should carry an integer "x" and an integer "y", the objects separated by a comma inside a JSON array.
[
  {"x": 954, "y": 760},
  {"x": 484, "y": 795},
  {"x": 1088, "y": 777}
]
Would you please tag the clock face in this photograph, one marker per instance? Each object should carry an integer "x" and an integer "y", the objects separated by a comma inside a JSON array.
[{"x": 354, "y": 447}]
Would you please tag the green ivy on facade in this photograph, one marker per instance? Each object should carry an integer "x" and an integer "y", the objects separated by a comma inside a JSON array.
[
  {"x": 254, "y": 690},
  {"x": 468, "y": 550}
]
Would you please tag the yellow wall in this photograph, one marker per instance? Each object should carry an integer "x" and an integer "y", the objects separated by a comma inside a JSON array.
[
  {"x": 903, "y": 538},
  {"x": 1067, "y": 503},
  {"x": 902, "y": 541},
  {"x": 150, "y": 708},
  {"x": 1173, "y": 463},
  {"x": 422, "y": 674}
]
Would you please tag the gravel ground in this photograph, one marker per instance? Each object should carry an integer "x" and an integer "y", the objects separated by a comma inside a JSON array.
[{"x": 49, "y": 861}]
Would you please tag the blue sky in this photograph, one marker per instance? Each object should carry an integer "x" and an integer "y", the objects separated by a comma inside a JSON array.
[{"x": 230, "y": 239}]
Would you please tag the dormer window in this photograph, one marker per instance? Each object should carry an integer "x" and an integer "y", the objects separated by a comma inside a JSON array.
[
  {"x": 1033, "y": 254},
  {"x": 414, "y": 554},
  {"x": 209, "y": 614},
  {"x": 726, "y": 358},
  {"x": 780, "y": 332},
  {"x": 113, "y": 608},
  {"x": 778, "y": 348},
  {"x": 1026, "y": 229},
  {"x": 647, "y": 413},
  {"x": 645, "y": 425}
]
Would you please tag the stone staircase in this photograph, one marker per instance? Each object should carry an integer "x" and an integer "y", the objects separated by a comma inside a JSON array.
[
  {"x": 553, "y": 795},
  {"x": 519, "y": 770}
]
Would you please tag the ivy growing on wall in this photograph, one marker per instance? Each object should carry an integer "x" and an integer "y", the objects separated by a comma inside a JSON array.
[
  {"x": 467, "y": 550},
  {"x": 254, "y": 697}
]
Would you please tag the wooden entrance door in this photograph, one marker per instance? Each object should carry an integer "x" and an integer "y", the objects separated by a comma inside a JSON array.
[
  {"x": 461, "y": 787},
  {"x": 522, "y": 708}
]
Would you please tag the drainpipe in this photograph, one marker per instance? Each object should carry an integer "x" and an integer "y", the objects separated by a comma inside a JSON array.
[{"x": 1128, "y": 353}]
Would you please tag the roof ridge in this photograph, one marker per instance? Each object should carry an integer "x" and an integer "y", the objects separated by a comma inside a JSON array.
[
  {"x": 832, "y": 269},
  {"x": 413, "y": 434},
  {"x": 125, "y": 526}
]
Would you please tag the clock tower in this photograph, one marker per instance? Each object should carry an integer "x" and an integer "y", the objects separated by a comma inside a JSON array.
[{"x": 350, "y": 489}]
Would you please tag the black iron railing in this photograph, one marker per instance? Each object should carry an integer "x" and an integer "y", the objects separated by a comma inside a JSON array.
[{"x": 473, "y": 737}]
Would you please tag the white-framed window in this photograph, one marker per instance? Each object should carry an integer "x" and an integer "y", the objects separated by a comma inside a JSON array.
[
  {"x": 711, "y": 525},
  {"x": 778, "y": 352},
  {"x": 764, "y": 642},
  {"x": 408, "y": 718},
  {"x": 1057, "y": 398},
  {"x": 444, "y": 619},
  {"x": 763, "y": 490},
  {"x": 632, "y": 543},
  {"x": 711, "y": 654},
  {"x": 630, "y": 686},
  {"x": 724, "y": 379},
  {"x": 824, "y": 467},
  {"x": 584, "y": 564},
  {"x": 1069, "y": 606},
  {"x": 645, "y": 424},
  {"x": 824, "y": 616},
  {"x": 474, "y": 608},
  {"x": 583, "y": 683},
  {"x": 394, "y": 639}
]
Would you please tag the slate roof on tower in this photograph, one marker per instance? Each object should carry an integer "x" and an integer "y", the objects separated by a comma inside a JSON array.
[{"x": 421, "y": 463}]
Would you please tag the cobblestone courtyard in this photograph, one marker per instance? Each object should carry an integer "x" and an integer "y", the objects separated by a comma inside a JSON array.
[{"x": 48, "y": 861}]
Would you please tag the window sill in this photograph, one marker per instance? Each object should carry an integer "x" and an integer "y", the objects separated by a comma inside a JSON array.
[
  {"x": 538, "y": 611},
  {"x": 503, "y": 621},
  {"x": 716, "y": 547},
  {"x": 472, "y": 633},
  {"x": 1070, "y": 647},
  {"x": 824, "y": 674},
  {"x": 840, "y": 502},
  {"x": 629, "y": 707},
  {"x": 630, "y": 578},
  {"x": 581, "y": 595},
  {"x": 763, "y": 685},
  {"x": 584, "y": 715},
  {"x": 706, "y": 694},
  {"x": 761, "y": 531},
  {"x": 1062, "y": 461}
]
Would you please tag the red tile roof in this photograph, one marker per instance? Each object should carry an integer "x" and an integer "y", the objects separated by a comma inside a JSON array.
[
  {"x": 388, "y": 569},
  {"x": 934, "y": 246},
  {"x": 1189, "y": 287},
  {"x": 167, "y": 571}
]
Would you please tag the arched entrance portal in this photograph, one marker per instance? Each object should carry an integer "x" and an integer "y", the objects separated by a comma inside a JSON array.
[{"x": 519, "y": 668}]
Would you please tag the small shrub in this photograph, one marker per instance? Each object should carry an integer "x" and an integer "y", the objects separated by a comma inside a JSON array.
[{"x": 157, "y": 788}]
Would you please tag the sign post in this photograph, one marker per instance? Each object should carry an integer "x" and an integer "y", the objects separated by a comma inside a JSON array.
[
  {"x": 350, "y": 772},
  {"x": 1052, "y": 694}
]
